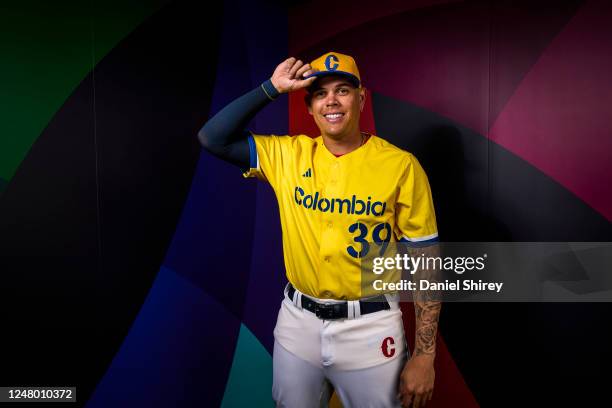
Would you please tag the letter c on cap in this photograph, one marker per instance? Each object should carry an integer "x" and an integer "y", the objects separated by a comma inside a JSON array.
[{"x": 328, "y": 62}]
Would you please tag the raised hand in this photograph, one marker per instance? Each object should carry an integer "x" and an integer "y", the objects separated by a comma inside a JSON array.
[{"x": 289, "y": 75}]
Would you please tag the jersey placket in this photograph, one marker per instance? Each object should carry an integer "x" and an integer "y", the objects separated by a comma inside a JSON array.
[{"x": 328, "y": 240}]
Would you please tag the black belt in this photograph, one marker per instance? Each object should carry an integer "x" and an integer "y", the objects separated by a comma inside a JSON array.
[{"x": 333, "y": 311}]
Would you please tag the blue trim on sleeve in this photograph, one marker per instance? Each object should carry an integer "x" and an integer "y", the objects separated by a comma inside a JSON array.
[
  {"x": 418, "y": 244},
  {"x": 252, "y": 152},
  {"x": 270, "y": 90}
]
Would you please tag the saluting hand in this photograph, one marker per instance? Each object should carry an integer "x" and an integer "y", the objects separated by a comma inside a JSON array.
[{"x": 289, "y": 75}]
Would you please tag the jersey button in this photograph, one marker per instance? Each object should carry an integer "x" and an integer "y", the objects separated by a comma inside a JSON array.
[
  {"x": 326, "y": 259},
  {"x": 326, "y": 294}
]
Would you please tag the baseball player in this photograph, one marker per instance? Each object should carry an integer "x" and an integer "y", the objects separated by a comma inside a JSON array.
[{"x": 341, "y": 195}]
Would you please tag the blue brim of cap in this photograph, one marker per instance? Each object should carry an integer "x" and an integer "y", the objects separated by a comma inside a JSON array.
[{"x": 354, "y": 80}]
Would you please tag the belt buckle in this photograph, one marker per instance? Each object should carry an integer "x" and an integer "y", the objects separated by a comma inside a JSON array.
[{"x": 328, "y": 311}]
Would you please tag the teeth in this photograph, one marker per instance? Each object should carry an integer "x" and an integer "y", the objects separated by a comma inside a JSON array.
[{"x": 333, "y": 115}]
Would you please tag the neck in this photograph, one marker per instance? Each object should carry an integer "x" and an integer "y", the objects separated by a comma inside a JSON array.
[{"x": 344, "y": 145}]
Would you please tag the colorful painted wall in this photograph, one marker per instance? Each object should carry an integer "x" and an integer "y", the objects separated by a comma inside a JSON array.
[{"x": 148, "y": 273}]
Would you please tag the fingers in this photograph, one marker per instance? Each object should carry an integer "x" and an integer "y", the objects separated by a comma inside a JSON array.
[
  {"x": 405, "y": 399},
  {"x": 421, "y": 399},
  {"x": 414, "y": 399},
  {"x": 307, "y": 82},
  {"x": 299, "y": 84},
  {"x": 288, "y": 63},
  {"x": 294, "y": 69},
  {"x": 405, "y": 396},
  {"x": 417, "y": 401},
  {"x": 303, "y": 70}
]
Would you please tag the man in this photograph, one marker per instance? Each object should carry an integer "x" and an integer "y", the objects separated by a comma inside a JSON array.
[{"x": 341, "y": 195}]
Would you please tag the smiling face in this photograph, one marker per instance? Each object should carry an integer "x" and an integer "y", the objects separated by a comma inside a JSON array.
[{"x": 335, "y": 105}]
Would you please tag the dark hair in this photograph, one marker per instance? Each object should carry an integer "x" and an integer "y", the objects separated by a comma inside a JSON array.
[
  {"x": 310, "y": 90},
  {"x": 308, "y": 98}
]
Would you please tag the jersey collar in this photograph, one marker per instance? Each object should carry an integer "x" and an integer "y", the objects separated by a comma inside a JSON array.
[{"x": 352, "y": 154}]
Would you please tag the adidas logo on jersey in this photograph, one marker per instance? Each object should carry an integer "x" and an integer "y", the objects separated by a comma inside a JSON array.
[{"x": 308, "y": 173}]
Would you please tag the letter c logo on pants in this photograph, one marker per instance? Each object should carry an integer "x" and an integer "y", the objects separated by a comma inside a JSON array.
[{"x": 387, "y": 347}]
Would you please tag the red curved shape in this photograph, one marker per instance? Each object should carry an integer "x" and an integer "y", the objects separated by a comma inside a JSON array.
[
  {"x": 559, "y": 118},
  {"x": 450, "y": 390},
  {"x": 315, "y": 21}
]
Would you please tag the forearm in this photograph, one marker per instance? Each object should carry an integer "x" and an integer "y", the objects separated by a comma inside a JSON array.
[
  {"x": 427, "y": 315},
  {"x": 427, "y": 307},
  {"x": 225, "y": 136}
]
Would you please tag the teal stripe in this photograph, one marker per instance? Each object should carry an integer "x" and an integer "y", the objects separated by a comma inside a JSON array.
[{"x": 250, "y": 380}]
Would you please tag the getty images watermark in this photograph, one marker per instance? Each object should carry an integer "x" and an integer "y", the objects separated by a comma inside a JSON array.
[
  {"x": 430, "y": 266},
  {"x": 491, "y": 271}
]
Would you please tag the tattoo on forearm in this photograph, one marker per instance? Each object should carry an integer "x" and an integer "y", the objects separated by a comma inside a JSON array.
[
  {"x": 427, "y": 314},
  {"x": 427, "y": 308}
]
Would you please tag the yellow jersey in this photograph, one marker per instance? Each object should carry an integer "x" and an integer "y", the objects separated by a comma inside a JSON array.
[{"x": 335, "y": 210}]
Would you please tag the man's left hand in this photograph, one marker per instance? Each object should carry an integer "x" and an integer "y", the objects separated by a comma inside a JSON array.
[{"x": 417, "y": 381}]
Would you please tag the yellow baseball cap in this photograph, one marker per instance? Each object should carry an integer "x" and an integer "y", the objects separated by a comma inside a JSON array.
[{"x": 335, "y": 63}]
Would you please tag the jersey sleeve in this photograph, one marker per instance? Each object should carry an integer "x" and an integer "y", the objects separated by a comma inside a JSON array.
[
  {"x": 269, "y": 154},
  {"x": 415, "y": 214}
]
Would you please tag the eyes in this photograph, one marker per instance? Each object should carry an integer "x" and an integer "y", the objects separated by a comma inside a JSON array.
[{"x": 340, "y": 91}]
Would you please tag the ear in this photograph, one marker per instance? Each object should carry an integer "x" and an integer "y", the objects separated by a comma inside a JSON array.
[
  {"x": 308, "y": 102},
  {"x": 362, "y": 98}
]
